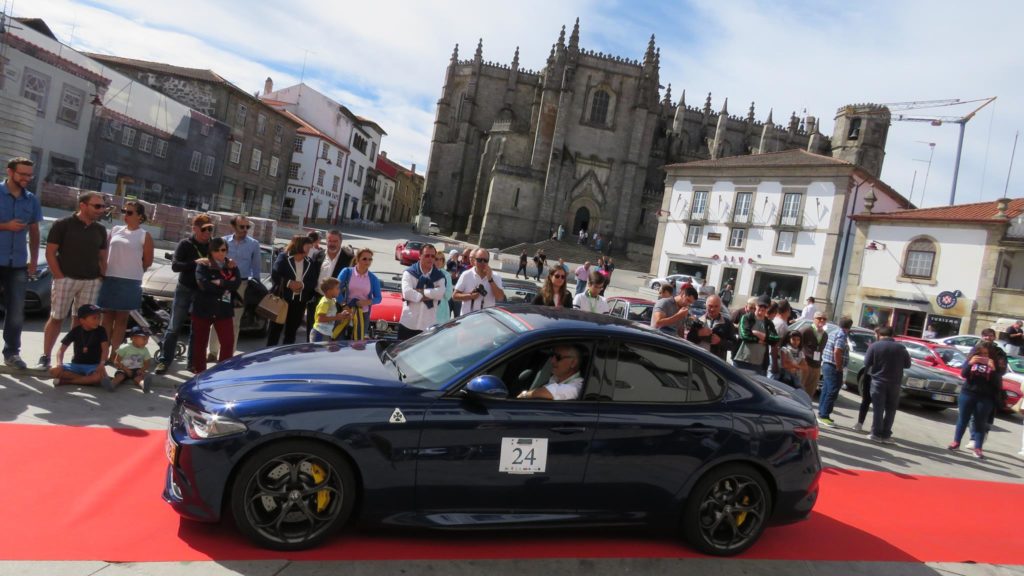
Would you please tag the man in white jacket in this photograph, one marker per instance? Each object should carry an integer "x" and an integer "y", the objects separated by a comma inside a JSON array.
[{"x": 422, "y": 289}]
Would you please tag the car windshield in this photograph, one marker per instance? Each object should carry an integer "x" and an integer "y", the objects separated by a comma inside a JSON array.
[
  {"x": 413, "y": 245},
  {"x": 1016, "y": 365},
  {"x": 951, "y": 356},
  {"x": 860, "y": 341},
  {"x": 432, "y": 359}
]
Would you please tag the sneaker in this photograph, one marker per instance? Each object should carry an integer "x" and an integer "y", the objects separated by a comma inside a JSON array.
[
  {"x": 859, "y": 427},
  {"x": 44, "y": 362},
  {"x": 827, "y": 422},
  {"x": 889, "y": 440},
  {"x": 147, "y": 385},
  {"x": 979, "y": 454},
  {"x": 161, "y": 367},
  {"x": 15, "y": 361},
  {"x": 876, "y": 439},
  {"x": 953, "y": 446},
  {"x": 970, "y": 445}
]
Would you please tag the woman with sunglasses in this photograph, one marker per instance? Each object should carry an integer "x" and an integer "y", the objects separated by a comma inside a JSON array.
[
  {"x": 360, "y": 290},
  {"x": 217, "y": 277},
  {"x": 293, "y": 279},
  {"x": 554, "y": 292},
  {"x": 129, "y": 255}
]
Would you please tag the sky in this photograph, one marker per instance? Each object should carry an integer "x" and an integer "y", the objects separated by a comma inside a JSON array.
[{"x": 386, "y": 60}]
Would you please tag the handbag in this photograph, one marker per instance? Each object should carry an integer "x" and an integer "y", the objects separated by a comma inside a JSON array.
[{"x": 273, "y": 308}]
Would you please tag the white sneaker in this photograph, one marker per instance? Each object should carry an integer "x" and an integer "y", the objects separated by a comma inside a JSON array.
[
  {"x": 970, "y": 444},
  {"x": 859, "y": 427},
  {"x": 876, "y": 439}
]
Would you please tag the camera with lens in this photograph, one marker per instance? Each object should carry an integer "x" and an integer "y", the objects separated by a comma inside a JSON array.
[{"x": 481, "y": 290}]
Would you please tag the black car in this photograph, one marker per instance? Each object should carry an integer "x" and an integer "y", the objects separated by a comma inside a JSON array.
[{"x": 294, "y": 441}]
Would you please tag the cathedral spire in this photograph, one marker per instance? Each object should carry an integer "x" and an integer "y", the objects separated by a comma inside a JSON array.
[
  {"x": 668, "y": 93},
  {"x": 649, "y": 55},
  {"x": 750, "y": 113},
  {"x": 682, "y": 100},
  {"x": 561, "y": 37},
  {"x": 479, "y": 51},
  {"x": 769, "y": 120},
  {"x": 455, "y": 54},
  {"x": 574, "y": 38},
  {"x": 515, "y": 60},
  {"x": 707, "y": 104},
  {"x": 657, "y": 58},
  {"x": 725, "y": 108}
]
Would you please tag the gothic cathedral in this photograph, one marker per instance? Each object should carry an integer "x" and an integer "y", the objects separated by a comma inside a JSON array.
[{"x": 583, "y": 142}]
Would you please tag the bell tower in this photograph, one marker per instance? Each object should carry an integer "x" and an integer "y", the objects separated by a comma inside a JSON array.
[{"x": 859, "y": 136}]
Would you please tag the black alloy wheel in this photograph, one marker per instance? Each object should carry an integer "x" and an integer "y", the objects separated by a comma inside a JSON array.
[
  {"x": 727, "y": 510},
  {"x": 292, "y": 495}
]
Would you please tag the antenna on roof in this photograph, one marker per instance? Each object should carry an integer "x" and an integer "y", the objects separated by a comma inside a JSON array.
[{"x": 302, "y": 76}]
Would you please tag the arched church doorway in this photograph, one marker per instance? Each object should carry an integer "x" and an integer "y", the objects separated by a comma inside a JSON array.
[{"x": 582, "y": 220}]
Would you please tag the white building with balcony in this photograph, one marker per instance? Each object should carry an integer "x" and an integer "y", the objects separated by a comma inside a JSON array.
[
  {"x": 360, "y": 136},
  {"x": 315, "y": 174},
  {"x": 774, "y": 224},
  {"x": 957, "y": 268}
]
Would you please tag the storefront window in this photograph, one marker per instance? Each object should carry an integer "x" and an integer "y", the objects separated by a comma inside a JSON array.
[
  {"x": 873, "y": 316},
  {"x": 944, "y": 325},
  {"x": 776, "y": 286},
  {"x": 695, "y": 270}
]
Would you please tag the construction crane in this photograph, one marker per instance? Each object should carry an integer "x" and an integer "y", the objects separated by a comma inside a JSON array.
[{"x": 939, "y": 121}]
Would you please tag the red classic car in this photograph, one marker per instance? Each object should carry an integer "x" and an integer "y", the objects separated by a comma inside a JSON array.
[
  {"x": 950, "y": 359},
  {"x": 408, "y": 252},
  {"x": 383, "y": 324}
]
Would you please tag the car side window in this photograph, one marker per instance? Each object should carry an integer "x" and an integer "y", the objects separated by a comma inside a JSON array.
[
  {"x": 617, "y": 309},
  {"x": 530, "y": 369},
  {"x": 917, "y": 352},
  {"x": 649, "y": 374}
]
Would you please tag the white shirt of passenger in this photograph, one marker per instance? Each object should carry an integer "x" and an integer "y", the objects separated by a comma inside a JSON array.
[
  {"x": 584, "y": 301},
  {"x": 569, "y": 389},
  {"x": 809, "y": 312}
]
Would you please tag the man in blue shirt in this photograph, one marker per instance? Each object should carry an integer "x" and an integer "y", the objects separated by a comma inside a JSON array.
[
  {"x": 244, "y": 250},
  {"x": 20, "y": 214},
  {"x": 833, "y": 363}
]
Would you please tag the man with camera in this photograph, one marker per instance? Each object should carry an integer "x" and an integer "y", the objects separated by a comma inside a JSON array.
[
  {"x": 672, "y": 314},
  {"x": 479, "y": 287},
  {"x": 713, "y": 331}
]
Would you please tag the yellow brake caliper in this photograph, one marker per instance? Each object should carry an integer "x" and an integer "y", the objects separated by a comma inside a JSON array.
[
  {"x": 323, "y": 497},
  {"x": 743, "y": 515}
]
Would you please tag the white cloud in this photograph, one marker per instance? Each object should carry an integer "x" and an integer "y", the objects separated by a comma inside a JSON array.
[{"x": 386, "y": 60}]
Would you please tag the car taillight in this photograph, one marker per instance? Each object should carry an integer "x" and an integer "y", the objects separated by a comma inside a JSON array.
[{"x": 806, "y": 432}]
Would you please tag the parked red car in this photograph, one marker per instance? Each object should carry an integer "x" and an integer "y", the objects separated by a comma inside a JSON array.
[
  {"x": 950, "y": 359},
  {"x": 383, "y": 324},
  {"x": 408, "y": 252}
]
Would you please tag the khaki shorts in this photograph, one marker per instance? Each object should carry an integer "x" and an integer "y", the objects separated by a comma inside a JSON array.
[{"x": 69, "y": 293}]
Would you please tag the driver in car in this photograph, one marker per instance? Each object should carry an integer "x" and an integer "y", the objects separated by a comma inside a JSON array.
[{"x": 566, "y": 381}]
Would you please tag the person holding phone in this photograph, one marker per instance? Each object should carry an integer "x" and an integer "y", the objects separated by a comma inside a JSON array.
[{"x": 20, "y": 214}]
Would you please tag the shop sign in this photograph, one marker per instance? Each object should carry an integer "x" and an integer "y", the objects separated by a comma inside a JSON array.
[{"x": 947, "y": 299}]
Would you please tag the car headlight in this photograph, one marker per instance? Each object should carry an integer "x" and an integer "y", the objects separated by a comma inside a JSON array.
[
  {"x": 202, "y": 425},
  {"x": 916, "y": 383}
]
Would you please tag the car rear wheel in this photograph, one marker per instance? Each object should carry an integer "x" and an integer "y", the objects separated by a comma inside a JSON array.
[
  {"x": 727, "y": 510},
  {"x": 292, "y": 495},
  {"x": 656, "y": 286}
]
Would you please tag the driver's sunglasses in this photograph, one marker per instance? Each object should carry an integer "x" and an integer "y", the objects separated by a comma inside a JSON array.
[{"x": 559, "y": 357}]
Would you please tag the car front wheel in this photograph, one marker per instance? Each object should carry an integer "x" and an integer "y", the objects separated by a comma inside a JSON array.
[
  {"x": 727, "y": 510},
  {"x": 292, "y": 495},
  {"x": 655, "y": 285}
]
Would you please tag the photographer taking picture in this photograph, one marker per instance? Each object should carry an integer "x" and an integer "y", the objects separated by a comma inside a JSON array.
[{"x": 479, "y": 287}]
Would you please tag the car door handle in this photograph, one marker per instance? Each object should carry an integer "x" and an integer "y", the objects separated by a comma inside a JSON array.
[
  {"x": 699, "y": 430},
  {"x": 569, "y": 429}
]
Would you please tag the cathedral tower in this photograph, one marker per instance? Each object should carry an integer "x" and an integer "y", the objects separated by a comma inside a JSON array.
[{"x": 859, "y": 136}]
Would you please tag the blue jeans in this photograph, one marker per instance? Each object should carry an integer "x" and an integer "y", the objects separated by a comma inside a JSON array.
[
  {"x": 979, "y": 406},
  {"x": 183, "y": 296},
  {"x": 831, "y": 382},
  {"x": 581, "y": 285},
  {"x": 13, "y": 281}
]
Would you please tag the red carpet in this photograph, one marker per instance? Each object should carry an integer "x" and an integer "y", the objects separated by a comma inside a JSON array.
[{"x": 94, "y": 494}]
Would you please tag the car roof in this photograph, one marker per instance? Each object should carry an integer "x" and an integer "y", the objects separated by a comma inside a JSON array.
[
  {"x": 538, "y": 317},
  {"x": 631, "y": 300},
  {"x": 915, "y": 340}
]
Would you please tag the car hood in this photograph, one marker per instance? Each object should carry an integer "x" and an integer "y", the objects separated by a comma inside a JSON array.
[
  {"x": 389, "y": 309},
  {"x": 296, "y": 370},
  {"x": 925, "y": 373}
]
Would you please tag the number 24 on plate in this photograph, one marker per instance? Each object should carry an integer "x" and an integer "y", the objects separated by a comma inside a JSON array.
[{"x": 523, "y": 455}]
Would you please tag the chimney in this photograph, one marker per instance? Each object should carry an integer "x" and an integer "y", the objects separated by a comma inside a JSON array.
[
  {"x": 414, "y": 168},
  {"x": 1001, "y": 206},
  {"x": 268, "y": 86}
]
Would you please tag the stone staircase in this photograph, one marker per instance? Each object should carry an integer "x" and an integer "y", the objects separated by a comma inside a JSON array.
[{"x": 567, "y": 249}]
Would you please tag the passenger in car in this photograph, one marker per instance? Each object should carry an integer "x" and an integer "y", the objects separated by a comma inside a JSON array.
[{"x": 566, "y": 383}]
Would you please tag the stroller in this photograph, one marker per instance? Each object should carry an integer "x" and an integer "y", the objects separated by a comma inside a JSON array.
[{"x": 155, "y": 318}]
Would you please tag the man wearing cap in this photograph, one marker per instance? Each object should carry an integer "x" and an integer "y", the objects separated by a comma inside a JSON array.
[
  {"x": 330, "y": 263},
  {"x": 20, "y": 214},
  {"x": 76, "y": 252},
  {"x": 89, "y": 342},
  {"x": 812, "y": 341},
  {"x": 188, "y": 251},
  {"x": 756, "y": 335}
]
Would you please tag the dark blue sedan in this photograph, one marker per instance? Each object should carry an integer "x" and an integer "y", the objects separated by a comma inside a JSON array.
[{"x": 295, "y": 441}]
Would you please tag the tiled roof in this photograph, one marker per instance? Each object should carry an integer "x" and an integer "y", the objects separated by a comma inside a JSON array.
[
  {"x": 371, "y": 123},
  {"x": 786, "y": 158},
  {"x": 307, "y": 129},
  {"x": 977, "y": 212},
  {"x": 193, "y": 73},
  {"x": 387, "y": 167}
]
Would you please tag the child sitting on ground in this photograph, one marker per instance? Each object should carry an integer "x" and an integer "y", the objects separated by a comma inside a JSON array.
[
  {"x": 90, "y": 343},
  {"x": 327, "y": 311},
  {"x": 132, "y": 359}
]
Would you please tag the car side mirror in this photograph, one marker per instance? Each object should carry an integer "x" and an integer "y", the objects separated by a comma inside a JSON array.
[{"x": 487, "y": 386}]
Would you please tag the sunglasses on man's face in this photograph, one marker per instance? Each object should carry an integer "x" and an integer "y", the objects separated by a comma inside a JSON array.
[
  {"x": 481, "y": 260},
  {"x": 128, "y": 212},
  {"x": 98, "y": 206},
  {"x": 559, "y": 357},
  {"x": 243, "y": 227},
  {"x": 207, "y": 228}
]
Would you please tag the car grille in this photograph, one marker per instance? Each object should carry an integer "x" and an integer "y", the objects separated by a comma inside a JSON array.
[
  {"x": 944, "y": 387},
  {"x": 384, "y": 330}
]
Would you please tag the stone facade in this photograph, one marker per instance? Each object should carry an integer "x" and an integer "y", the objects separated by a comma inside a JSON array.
[
  {"x": 582, "y": 143},
  {"x": 258, "y": 147}
]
